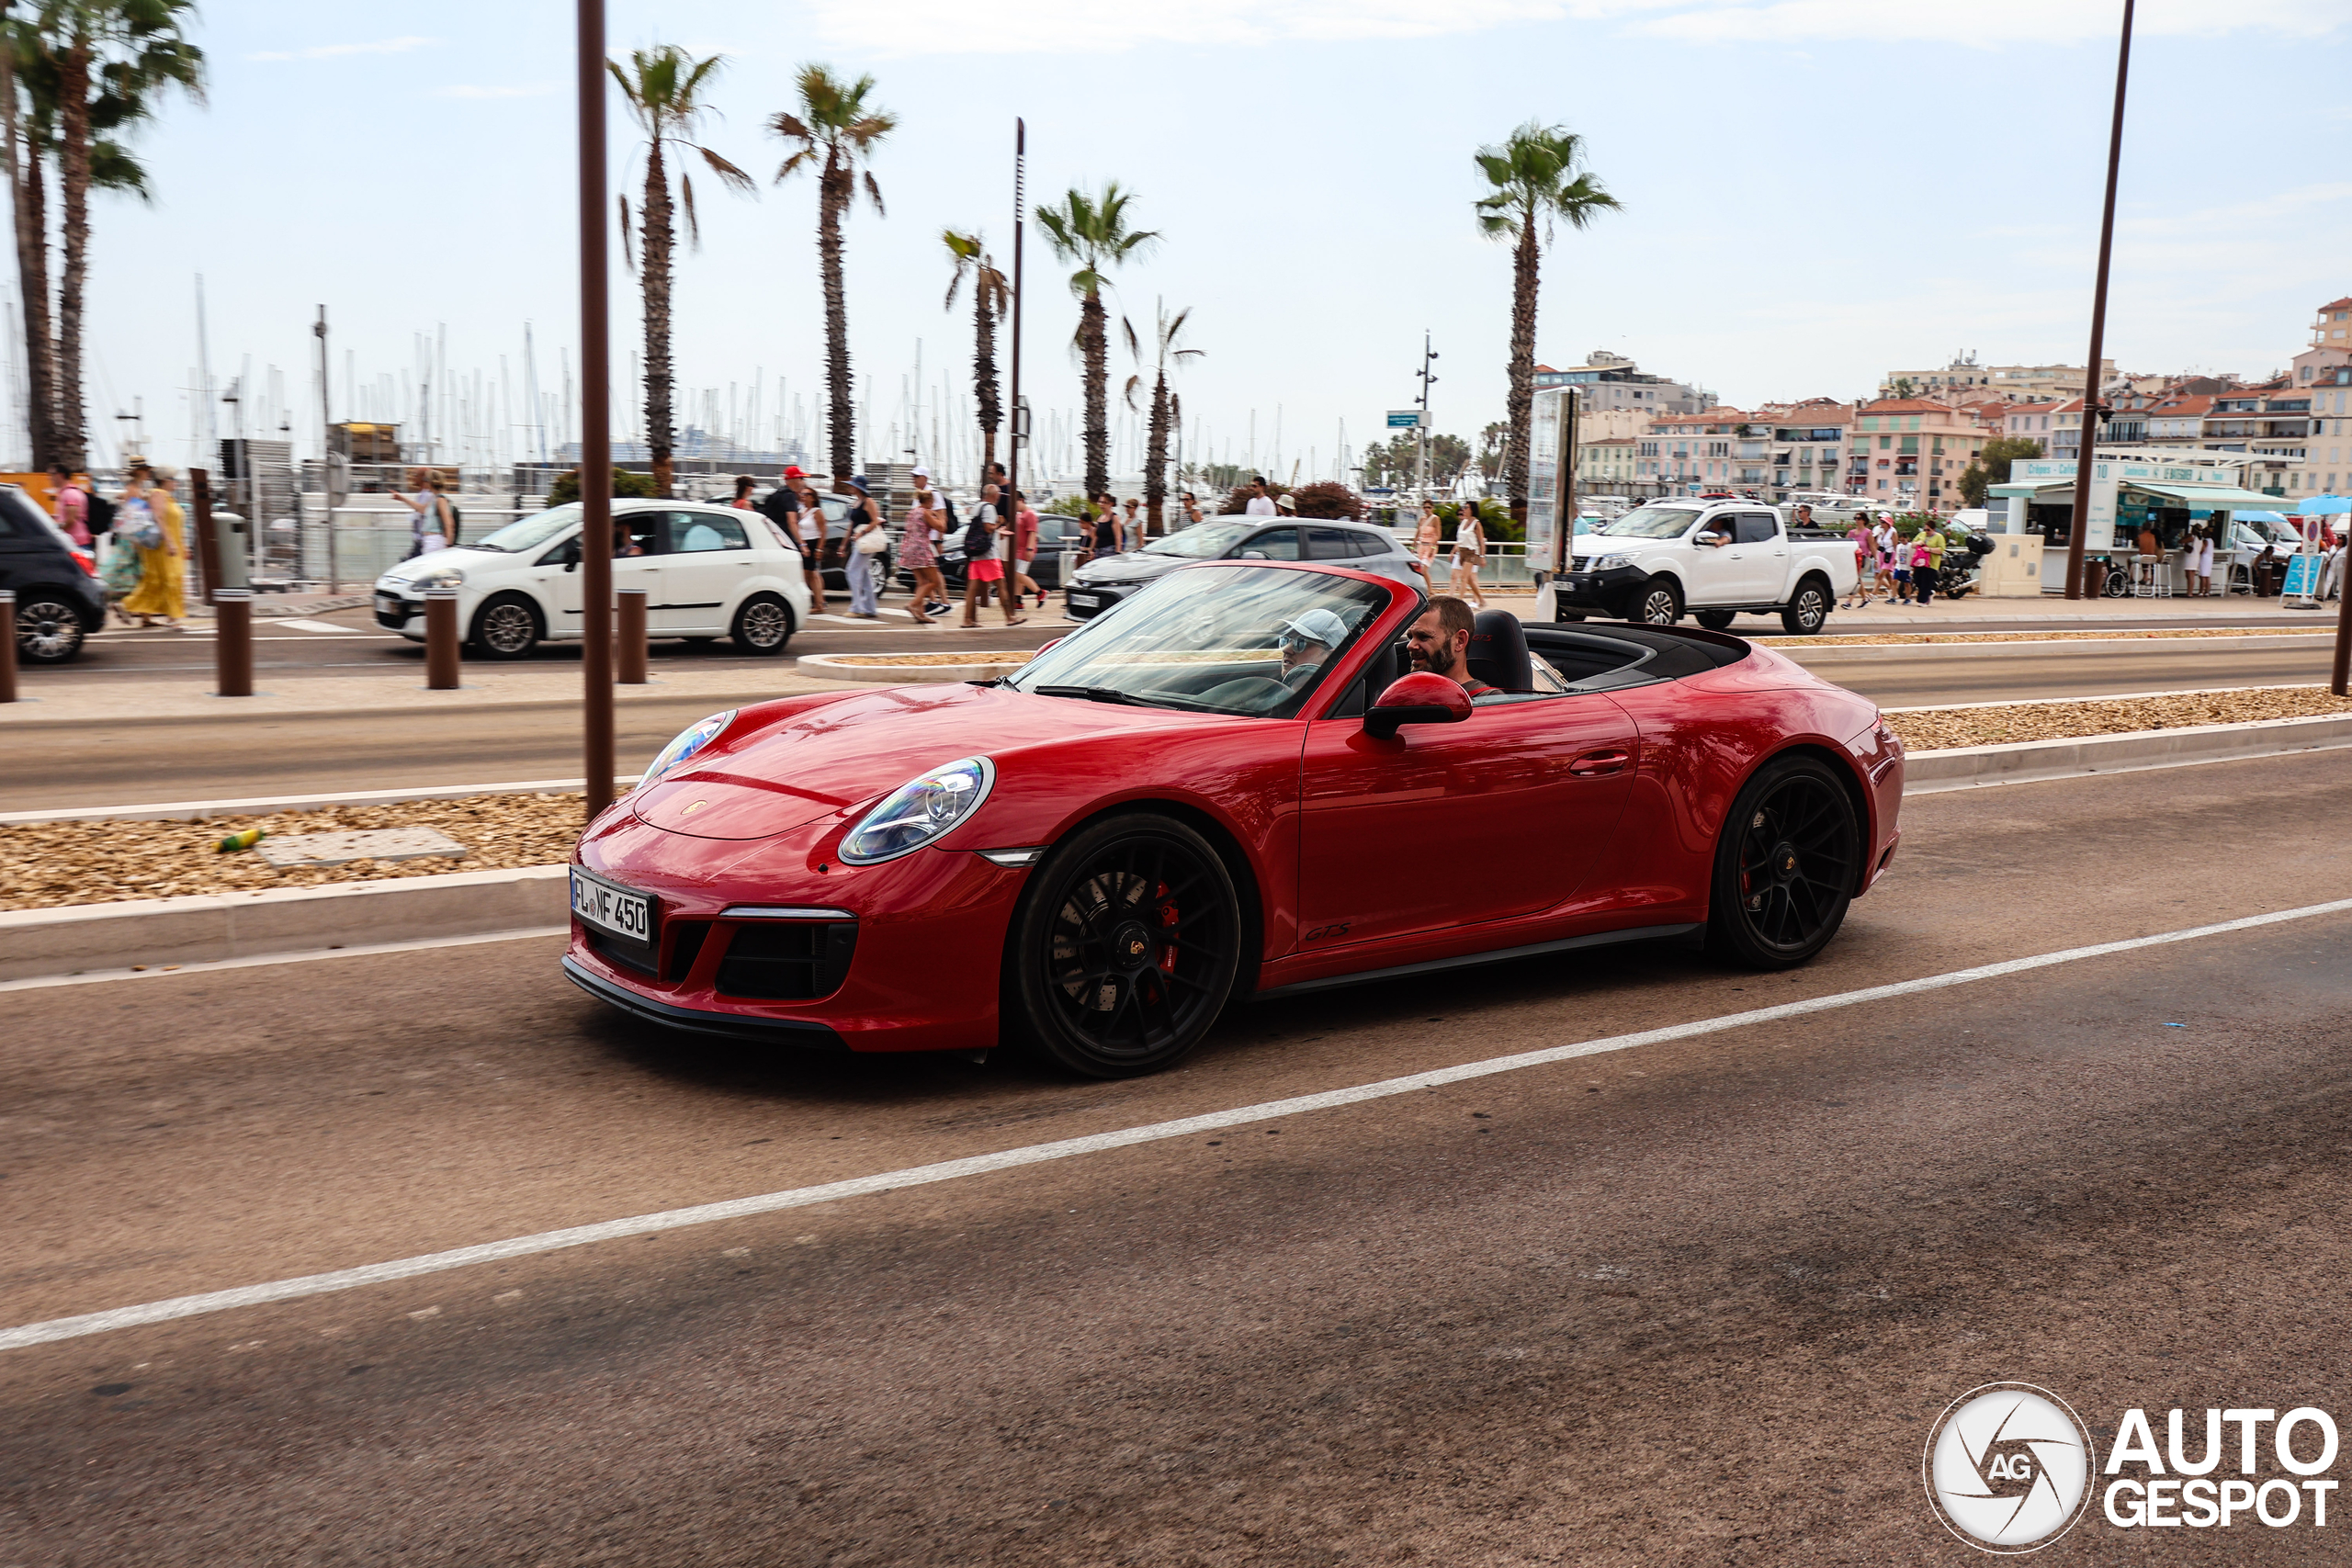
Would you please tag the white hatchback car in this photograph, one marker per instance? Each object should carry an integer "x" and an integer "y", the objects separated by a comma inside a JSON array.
[{"x": 708, "y": 571}]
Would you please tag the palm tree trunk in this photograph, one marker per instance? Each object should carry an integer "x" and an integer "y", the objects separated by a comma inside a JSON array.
[
  {"x": 832, "y": 200},
  {"x": 31, "y": 206},
  {"x": 74, "y": 120},
  {"x": 984, "y": 388},
  {"x": 655, "y": 247},
  {"x": 1094, "y": 343},
  {"x": 1526, "y": 263},
  {"x": 1155, "y": 458}
]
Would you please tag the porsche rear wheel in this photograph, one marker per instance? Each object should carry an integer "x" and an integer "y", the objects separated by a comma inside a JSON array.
[
  {"x": 1125, "y": 947},
  {"x": 1786, "y": 865}
]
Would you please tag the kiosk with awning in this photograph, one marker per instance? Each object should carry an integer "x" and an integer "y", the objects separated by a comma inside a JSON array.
[{"x": 2165, "y": 494}]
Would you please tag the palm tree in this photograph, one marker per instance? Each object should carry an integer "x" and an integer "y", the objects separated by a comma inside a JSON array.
[
  {"x": 1164, "y": 407},
  {"x": 836, "y": 131},
  {"x": 1095, "y": 235},
  {"x": 1536, "y": 180},
  {"x": 991, "y": 298},
  {"x": 111, "y": 58},
  {"x": 664, "y": 89}
]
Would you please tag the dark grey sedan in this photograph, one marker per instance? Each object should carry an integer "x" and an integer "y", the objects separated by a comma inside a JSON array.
[{"x": 1107, "y": 580}]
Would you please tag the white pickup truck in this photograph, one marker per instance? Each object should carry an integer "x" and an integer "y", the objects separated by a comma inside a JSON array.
[{"x": 1713, "y": 559}]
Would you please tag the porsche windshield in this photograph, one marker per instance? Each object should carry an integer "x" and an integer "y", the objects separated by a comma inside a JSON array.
[
  {"x": 1250, "y": 639},
  {"x": 1651, "y": 523}
]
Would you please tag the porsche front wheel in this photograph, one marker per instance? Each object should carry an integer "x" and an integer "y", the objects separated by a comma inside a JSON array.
[
  {"x": 1785, "y": 867},
  {"x": 1125, "y": 947},
  {"x": 1660, "y": 605}
]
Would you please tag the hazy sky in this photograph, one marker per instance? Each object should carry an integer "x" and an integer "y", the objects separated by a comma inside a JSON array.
[{"x": 1815, "y": 190}]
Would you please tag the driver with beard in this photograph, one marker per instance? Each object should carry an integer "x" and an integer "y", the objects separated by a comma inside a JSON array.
[{"x": 1440, "y": 643}]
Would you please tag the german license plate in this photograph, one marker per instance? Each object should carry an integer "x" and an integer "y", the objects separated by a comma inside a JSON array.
[
  {"x": 612, "y": 909},
  {"x": 1084, "y": 601}
]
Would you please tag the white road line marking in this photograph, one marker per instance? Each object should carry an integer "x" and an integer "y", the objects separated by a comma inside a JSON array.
[
  {"x": 307, "y": 955},
  {"x": 312, "y": 626},
  {"x": 59, "y": 1328}
]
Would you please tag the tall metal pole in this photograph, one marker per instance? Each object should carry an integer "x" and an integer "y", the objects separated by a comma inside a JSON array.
[
  {"x": 326, "y": 458},
  {"x": 2089, "y": 438},
  {"x": 597, "y": 423},
  {"x": 1006, "y": 505}
]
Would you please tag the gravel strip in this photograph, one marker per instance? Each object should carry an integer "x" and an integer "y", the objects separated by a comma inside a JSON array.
[
  {"x": 51, "y": 864},
  {"x": 48, "y": 864},
  {"x": 1930, "y": 639},
  {"x": 1938, "y": 729}
]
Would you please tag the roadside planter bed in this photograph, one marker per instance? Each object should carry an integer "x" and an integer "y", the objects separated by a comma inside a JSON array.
[{"x": 58, "y": 863}]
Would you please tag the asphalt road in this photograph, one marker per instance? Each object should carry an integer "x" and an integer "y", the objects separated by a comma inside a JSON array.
[
  {"x": 215, "y": 758},
  {"x": 1690, "y": 1302}
]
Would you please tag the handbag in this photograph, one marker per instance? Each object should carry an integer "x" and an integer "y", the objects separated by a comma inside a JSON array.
[
  {"x": 873, "y": 542},
  {"x": 139, "y": 525}
]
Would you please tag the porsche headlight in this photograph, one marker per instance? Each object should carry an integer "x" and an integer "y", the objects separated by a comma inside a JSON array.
[
  {"x": 1611, "y": 563},
  {"x": 918, "y": 811},
  {"x": 439, "y": 577},
  {"x": 691, "y": 740}
]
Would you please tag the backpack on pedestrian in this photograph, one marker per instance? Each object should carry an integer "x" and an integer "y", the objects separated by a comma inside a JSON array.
[{"x": 99, "y": 516}]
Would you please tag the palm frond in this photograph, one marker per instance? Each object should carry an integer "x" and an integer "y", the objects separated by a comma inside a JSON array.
[
  {"x": 806, "y": 156},
  {"x": 628, "y": 256},
  {"x": 1129, "y": 394},
  {"x": 1135, "y": 344},
  {"x": 694, "y": 224},
  {"x": 874, "y": 194}
]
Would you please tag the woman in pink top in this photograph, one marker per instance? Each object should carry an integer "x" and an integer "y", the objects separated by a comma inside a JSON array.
[
  {"x": 1865, "y": 551},
  {"x": 1024, "y": 550}
]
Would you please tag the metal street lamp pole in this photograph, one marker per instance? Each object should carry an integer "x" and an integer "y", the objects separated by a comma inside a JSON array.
[
  {"x": 597, "y": 423},
  {"x": 1006, "y": 506},
  {"x": 2089, "y": 434}
]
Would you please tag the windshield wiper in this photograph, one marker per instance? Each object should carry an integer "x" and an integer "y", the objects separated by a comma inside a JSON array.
[{"x": 1092, "y": 695}]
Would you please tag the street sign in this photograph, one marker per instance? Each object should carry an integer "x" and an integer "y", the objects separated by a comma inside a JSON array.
[
  {"x": 2303, "y": 578},
  {"x": 1407, "y": 419}
]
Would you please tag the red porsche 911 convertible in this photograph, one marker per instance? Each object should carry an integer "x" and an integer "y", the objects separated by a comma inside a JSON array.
[{"x": 1234, "y": 785}]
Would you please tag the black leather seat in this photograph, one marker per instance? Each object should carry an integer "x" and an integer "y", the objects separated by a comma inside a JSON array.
[{"x": 1499, "y": 653}]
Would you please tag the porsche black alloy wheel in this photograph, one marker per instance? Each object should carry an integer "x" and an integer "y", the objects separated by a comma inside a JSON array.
[
  {"x": 1125, "y": 947},
  {"x": 507, "y": 628},
  {"x": 1786, "y": 863},
  {"x": 1660, "y": 605}
]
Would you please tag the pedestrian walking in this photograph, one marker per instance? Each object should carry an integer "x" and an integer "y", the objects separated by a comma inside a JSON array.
[
  {"x": 1025, "y": 551},
  {"x": 2196, "y": 561},
  {"x": 918, "y": 538},
  {"x": 1928, "y": 562},
  {"x": 1865, "y": 558},
  {"x": 73, "y": 505},
  {"x": 1106, "y": 529},
  {"x": 1426, "y": 537},
  {"x": 1191, "y": 510},
  {"x": 1261, "y": 504},
  {"x": 1469, "y": 553},
  {"x": 809, "y": 528},
  {"x": 151, "y": 517},
  {"x": 744, "y": 485},
  {"x": 862, "y": 522},
  {"x": 983, "y": 571},
  {"x": 429, "y": 527},
  {"x": 1131, "y": 527}
]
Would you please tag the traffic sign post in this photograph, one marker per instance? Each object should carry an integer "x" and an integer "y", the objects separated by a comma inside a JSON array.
[{"x": 1406, "y": 419}]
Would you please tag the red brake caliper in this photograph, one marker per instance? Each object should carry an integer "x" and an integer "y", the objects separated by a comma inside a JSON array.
[{"x": 1168, "y": 917}]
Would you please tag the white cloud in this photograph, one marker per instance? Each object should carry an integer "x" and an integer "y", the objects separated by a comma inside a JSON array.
[
  {"x": 525, "y": 90},
  {"x": 1060, "y": 26},
  {"x": 337, "y": 51}
]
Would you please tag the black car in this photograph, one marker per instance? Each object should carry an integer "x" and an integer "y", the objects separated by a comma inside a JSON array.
[
  {"x": 59, "y": 604},
  {"x": 1061, "y": 544},
  {"x": 1108, "y": 580}
]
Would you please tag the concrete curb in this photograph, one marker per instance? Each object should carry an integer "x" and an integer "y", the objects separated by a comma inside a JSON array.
[
  {"x": 211, "y": 928},
  {"x": 1966, "y": 767},
  {"x": 231, "y": 714},
  {"x": 262, "y": 806},
  {"x": 1807, "y": 652},
  {"x": 207, "y": 928}
]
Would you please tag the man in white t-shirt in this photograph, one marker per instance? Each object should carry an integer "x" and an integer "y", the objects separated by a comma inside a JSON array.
[{"x": 1260, "y": 503}]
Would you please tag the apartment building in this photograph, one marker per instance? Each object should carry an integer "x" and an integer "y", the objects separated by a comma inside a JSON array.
[
  {"x": 1605, "y": 465},
  {"x": 1808, "y": 445},
  {"x": 1908, "y": 453},
  {"x": 1688, "y": 454},
  {"x": 2020, "y": 383},
  {"x": 1612, "y": 382}
]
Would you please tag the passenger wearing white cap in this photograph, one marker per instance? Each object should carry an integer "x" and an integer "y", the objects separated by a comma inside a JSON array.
[{"x": 1306, "y": 640}]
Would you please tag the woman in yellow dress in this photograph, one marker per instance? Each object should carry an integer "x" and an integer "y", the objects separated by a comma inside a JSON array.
[{"x": 163, "y": 567}]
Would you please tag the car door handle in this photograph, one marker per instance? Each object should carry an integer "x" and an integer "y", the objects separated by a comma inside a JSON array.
[{"x": 1593, "y": 764}]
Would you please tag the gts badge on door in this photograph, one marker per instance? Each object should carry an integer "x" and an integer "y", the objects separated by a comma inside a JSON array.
[{"x": 1327, "y": 934}]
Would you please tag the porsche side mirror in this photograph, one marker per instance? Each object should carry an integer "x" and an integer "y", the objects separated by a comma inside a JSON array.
[{"x": 1419, "y": 698}]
